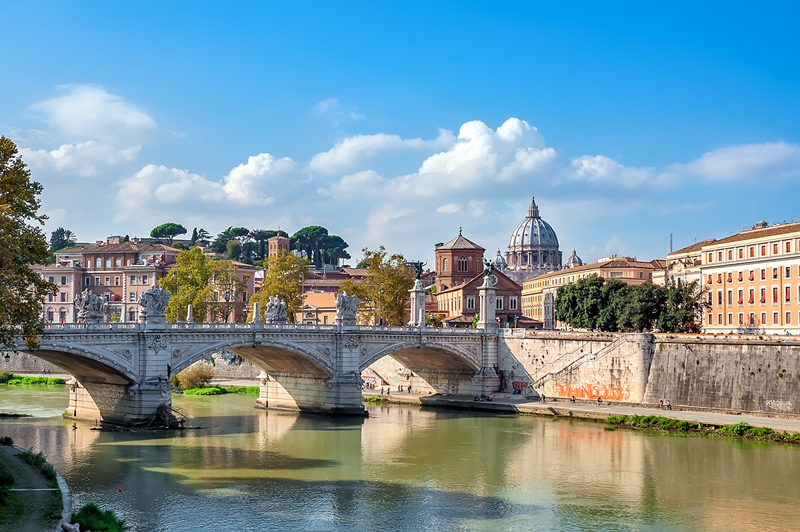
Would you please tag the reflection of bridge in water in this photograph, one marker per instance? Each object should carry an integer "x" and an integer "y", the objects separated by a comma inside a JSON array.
[{"x": 122, "y": 370}]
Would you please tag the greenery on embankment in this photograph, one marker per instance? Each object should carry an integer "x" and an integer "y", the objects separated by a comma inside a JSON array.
[
  {"x": 738, "y": 430},
  {"x": 6, "y": 377},
  {"x": 32, "y": 509},
  {"x": 252, "y": 391},
  {"x": 90, "y": 517}
]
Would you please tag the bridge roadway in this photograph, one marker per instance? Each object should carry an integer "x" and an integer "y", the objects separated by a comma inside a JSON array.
[{"x": 122, "y": 370}]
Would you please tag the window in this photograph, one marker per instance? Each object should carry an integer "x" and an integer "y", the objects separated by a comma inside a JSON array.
[
  {"x": 710, "y": 278},
  {"x": 87, "y": 281},
  {"x": 788, "y": 318},
  {"x": 752, "y": 296},
  {"x": 730, "y": 318},
  {"x": 774, "y": 318},
  {"x": 116, "y": 281},
  {"x": 710, "y": 298},
  {"x": 751, "y": 319},
  {"x": 741, "y": 319},
  {"x": 741, "y": 296},
  {"x": 711, "y": 319},
  {"x": 763, "y": 318},
  {"x": 730, "y": 254},
  {"x": 49, "y": 315},
  {"x": 710, "y": 257},
  {"x": 719, "y": 319},
  {"x": 730, "y": 297},
  {"x": 730, "y": 277},
  {"x": 774, "y": 294},
  {"x": 51, "y": 279},
  {"x": 144, "y": 279},
  {"x": 108, "y": 262},
  {"x": 499, "y": 303},
  {"x": 763, "y": 250},
  {"x": 63, "y": 297},
  {"x": 719, "y": 256},
  {"x": 751, "y": 275},
  {"x": 775, "y": 248},
  {"x": 763, "y": 295},
  {"x": 719, "y": 278},
  {"x": 740, "y": 276},
  {"x": 719, "y": 298},
  {"x": 788, "y": 248},
  {"x": 774, "y": 273},
  {"x": 462, "y": 264},
  {"x": 752, "y": 252},
  {"x": 132, "y": 296},
  {"x": 108, "y": 281},
  {"x": 788, "y": 294},
  {"x": 64, "y": 280},
  {"x": 444, "y": 265},
  {"x": 763, "y": 274},
  {"x": 512, "y": 303},
  {"x": 98, "y": 263},
  {"x": 62, "y": 315},
  {"x": 127, "y": 262},
  {"x": 788, "y": 272},
  {"x": 470, "y": 302},
  {"x": 741, "y": 253},
  {"x": 50, "y": 298},
  {"x": 133, "y": 279},
  {"x": 97, "y": 281},
  {"x": 118, "y": 262},
  {"x": 325, "y": 320},
  {"x": 131, "y": 315}
]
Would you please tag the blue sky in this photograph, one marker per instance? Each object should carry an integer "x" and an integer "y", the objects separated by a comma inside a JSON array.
[{"x": 398, "y": 123}]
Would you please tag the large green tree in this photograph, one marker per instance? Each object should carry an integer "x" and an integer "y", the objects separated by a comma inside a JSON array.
[
  {"x": 227, "y": 292},
  {"x": 283, "y": 277},
  {"x": 22, "y": 289},
  {"x": 384, "y": 291},
  {"x": 190, "y": 283},
  {"x": 58, "y": 239},
  {"x": 682, "y": 311},
  {"x": 168, "y": 231}
]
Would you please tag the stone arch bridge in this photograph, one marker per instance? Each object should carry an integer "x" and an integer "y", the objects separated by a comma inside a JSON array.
[{"x": 122, "y": 370}]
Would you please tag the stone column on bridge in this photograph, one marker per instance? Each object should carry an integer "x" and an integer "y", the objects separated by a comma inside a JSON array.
[
  {"x": 417, "y": 304},
  {"x": 488, "y": 380}
]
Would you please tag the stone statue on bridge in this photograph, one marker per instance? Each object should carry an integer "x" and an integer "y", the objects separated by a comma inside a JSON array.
[
  {"x": 276, "y": 310},
  {"x": 154, "y": 302},
  {"x": 346, "y": 308},
  {"x": 91, "y": 307}
]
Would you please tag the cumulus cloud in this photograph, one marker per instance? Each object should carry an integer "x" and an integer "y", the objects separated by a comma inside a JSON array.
[
  {"x": 359, "y": 148},
  {"x": 602, "y": 169},
  {"x": 89, "y": 112},
  {"x": 247, "y": 182},
  {"x": 84, "y": 159},
  {"x": 776, "y": 160},
  {"x": 358, "y": 184},
  {"x": 449, "y": 208}
]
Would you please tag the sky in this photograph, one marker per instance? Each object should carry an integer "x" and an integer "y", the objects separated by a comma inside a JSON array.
[{"x": 398, "y": 124}]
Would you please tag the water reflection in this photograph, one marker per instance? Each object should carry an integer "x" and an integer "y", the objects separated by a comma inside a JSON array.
[{"x": 413, "y": 469}]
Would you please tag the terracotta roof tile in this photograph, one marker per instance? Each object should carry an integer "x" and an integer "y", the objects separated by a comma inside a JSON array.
[{"x": 752, "y": 234}]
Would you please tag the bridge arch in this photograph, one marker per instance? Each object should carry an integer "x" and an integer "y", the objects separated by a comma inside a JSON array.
[
  {"x": 432, "y": 355},
  {"x": 85, "y": 362},
  {"x": 269, "y": 355}
]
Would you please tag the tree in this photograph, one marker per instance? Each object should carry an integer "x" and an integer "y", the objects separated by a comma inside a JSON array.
[
  {"x": 309, "y": 240},
  {"x": 168, "y": 231},
  {"x": 227, "y": 291},
  {"x": 233, "y": 249},
  {"x": 283, "y": 277},
  {"x": 591, "y": 303},
  {"x": 190, "y": 283},
  {"x": 384, "y": 291},
  {"x": 333, "y": 250},
  {"x": 194, "y": 235},
  {"x": 220, "y": 243},
  {"x": 22, "y": 290},
  {"x": 58, "y": 240},
  {"x": 202, "y": 237},
  {"x": 683, "y": 308},
  {"x": 71, "y": 237},
  {"x": 643, "y": 304}
]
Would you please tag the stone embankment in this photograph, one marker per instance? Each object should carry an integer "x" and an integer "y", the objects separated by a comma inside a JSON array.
[{"x": 518, "y": 404}]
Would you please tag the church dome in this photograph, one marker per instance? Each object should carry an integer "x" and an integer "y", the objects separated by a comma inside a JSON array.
[
  {"x": 533, "y": 231},
  {"x": 499, "y": 261},
  {"x": 574, "y": 259}
]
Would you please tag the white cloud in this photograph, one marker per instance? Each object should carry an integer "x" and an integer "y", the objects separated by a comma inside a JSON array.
[
  {"x": 89, "y": 112},
  {"x": 602, "y": 169},
  {"x": 449, "y": 208},
  {"x": 85, "y": 159},
  {"x": 247, "y": 182},
  {"x": 336, "y": 112},
  {"x": 353, "y": 185},
  {"x": 774, "y": 160},
  {"x": 357, "y": 149}
]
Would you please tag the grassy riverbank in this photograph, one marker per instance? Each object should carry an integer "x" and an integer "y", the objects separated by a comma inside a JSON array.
[
  {"x": 251, "y": 391},
  {"x": 737, "y": 430},
  {"x": 29, "y": 495},
  {"x": 6, "y": 377}
]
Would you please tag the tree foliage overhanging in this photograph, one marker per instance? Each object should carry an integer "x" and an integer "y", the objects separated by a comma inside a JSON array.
[
  {"x": 384, "y": 291},
  {"x": 21, "y": 289},
  {"x": 595, "y": 303}
]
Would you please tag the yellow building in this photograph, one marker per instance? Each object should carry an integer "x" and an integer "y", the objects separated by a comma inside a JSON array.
[{"x": 539, "y": 293}]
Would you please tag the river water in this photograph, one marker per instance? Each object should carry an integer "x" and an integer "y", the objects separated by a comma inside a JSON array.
[{"x": 407, "y": 468}]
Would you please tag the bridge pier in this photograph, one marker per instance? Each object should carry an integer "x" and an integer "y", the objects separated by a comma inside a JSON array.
[
  {"x": 312, "y": 394},
  {"x": 114, "y": 403}
]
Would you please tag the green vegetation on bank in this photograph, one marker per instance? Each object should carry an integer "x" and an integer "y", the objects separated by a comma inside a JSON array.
[
  {"x": 252, "y": 391},
  {"x": 6, "y": 377},
  {"x": 90, "y": 517},
  {"x": 738, "y": 430}
]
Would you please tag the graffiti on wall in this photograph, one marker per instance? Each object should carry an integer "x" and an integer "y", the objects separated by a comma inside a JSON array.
[{"x": 592, "y": 391}]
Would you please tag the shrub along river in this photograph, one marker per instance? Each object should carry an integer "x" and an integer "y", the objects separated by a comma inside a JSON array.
[{"x": 407, "y": 468}]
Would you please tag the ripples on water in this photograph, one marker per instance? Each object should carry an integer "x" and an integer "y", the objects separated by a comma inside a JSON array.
[{"x": 408, "y": 469}]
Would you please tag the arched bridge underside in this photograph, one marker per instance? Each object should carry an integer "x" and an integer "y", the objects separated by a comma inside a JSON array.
[{"x": 122, "y": 371}]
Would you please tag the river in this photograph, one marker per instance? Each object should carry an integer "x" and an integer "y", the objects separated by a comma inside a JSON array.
[{"x": 407, "y": 468}]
